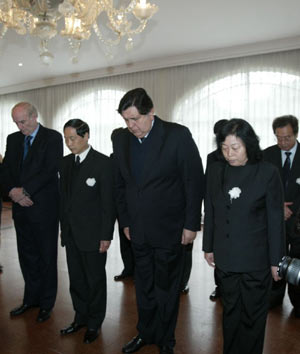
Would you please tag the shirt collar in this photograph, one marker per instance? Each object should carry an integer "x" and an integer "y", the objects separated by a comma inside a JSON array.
[
  {"x": 83, "y": 155},
  {"x": 34, "y": 133},
  {"x": 140, "y": 140},
  {"x": 292, "y": 151}
]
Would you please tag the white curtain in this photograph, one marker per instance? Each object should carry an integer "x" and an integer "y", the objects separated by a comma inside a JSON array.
[{"x": 257, "y": 88}]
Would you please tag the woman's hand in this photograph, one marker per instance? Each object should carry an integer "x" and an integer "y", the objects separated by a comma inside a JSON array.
[
  {"x": 275, "y": 275},
  {"x": 210, "y": 259},
  {"x": 127, "y": 233}
]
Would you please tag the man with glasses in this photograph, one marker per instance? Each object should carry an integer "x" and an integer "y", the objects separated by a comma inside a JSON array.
[
  {"x": 30, "y": 169},
  {"x": 286, "y": 156},
  {"x": 159, "y": 190}
]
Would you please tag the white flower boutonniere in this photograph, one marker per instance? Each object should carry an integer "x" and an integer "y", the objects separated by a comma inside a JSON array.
[
  {"x": 298, "y": 180},
  {"x": 91, "y": 182},
  {"x": 234, "y": 193}
]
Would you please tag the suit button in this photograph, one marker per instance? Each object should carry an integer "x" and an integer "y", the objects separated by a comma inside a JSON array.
[
  {"x": 228, "y": 207},
  {"x": 227, "y": 221},
  {"x": 227, "y": 235}
]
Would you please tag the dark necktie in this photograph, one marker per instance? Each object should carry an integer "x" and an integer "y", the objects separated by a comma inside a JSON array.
[
  {"x": 286, "y": 169},
  {"x": 77, "y": 161},
  {"x": 26, "y": 145}
]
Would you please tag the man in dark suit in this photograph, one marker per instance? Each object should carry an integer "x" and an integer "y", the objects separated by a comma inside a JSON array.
[
  {"x": 87, "y": 224},
  {"x": 211, "y": 158},
  {"x": 159, "y": 190},
  {"x": 125, "y": 244},
  {"x": 286, "y": 156},
  {"x": 30, "y": 176}
]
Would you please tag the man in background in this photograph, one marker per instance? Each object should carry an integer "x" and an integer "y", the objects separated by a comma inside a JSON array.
[
  {"x": 286, "y": 156},
  {"x": 87, "y": 223},
  {"x": 125, "y": 244},
  {"x": 159, "y": 190},
  {"x": 211, "y": 158},
  {"x": 30, "y": 168}
]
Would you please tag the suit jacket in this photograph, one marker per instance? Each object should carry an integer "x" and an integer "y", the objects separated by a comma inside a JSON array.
[
  {"x": 87, "y": 212},
  {"x": 212, "y": 157},
  {"x": 292, "y": 193},
  {"x": 37, "y": 174},
  {"x": 169, "y": 195},
  {"x": 247, "y": 233}
]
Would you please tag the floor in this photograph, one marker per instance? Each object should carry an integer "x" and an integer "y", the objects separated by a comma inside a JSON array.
[{"x": 199, "y": 324}]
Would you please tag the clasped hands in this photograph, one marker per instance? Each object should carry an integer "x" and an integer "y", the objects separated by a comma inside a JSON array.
[{"x": 17, "y": 195}]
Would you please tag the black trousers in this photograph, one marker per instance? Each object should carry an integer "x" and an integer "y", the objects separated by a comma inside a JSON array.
[
  {"x": 158, "y": 274},
  {"x": 87, "y": 284},
  {"x": 37, "y": 251},
  {"x": 188, "y": 262},
  {"x": 126, "y": 253},
  {"x": 245, "y": 298}
]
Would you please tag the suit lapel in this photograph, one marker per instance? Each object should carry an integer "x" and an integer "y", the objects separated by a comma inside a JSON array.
[
  {"x": 295, "y": 170},
  {"x": 157, "y": 141},
  {"x": 125, "y": 150},
  {"x": 35, "y": 145},
  {"x": 278, "y": 161},
  {"x": 19, "y": 151},
  {"x": 85, "y": 172}
]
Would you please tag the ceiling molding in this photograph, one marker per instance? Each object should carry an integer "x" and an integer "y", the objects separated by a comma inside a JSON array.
[{"x": 159, "y": 63}]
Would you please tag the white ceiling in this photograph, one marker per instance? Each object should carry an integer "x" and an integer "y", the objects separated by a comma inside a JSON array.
[{"x": 183, "y": 31}]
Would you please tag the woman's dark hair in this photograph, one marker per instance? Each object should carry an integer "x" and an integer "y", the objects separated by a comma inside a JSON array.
[
  {"x": 283, "y": 121},
  {"x": 218, "y": 125},
  {"x": 243, "y": 130},
  {"x": 79, "y": 125},
  {"x": 137, "y": 98}
]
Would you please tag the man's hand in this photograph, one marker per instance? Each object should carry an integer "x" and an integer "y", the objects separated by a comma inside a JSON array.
[
  {"x": 127, "y": 233},
  {"x": 275, "y": 275},
  {"x": 104, "y": 246},
  {"x": 188, "y": 236},
  {"x": 16, "y": 194},
  {"x": 287, "y": 211},
  {"x": 25, "y": 202},
  {"x": 210, "y": 259}
]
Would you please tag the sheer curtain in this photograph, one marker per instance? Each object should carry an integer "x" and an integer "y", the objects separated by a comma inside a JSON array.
[{"x": 256, "y": 88}]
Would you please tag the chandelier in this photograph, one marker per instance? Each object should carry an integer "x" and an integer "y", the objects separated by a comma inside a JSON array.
[{"x": 110, "y": 23}]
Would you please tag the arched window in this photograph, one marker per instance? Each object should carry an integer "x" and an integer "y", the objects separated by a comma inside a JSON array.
[
  {"x": 256, "y": 96},
  {"x": 98, "y": 109}
]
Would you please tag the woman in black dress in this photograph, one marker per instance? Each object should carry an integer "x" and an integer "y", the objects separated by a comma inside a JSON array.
[{"x": 243, "y": 234}]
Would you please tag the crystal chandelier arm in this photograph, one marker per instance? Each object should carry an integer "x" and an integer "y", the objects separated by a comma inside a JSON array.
[
  {"x": 108, "y": 42},
  {"x": 139, "y": 29},
  {"x": 108, "y": 6},
  {"x": 40, "y": 18}
]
